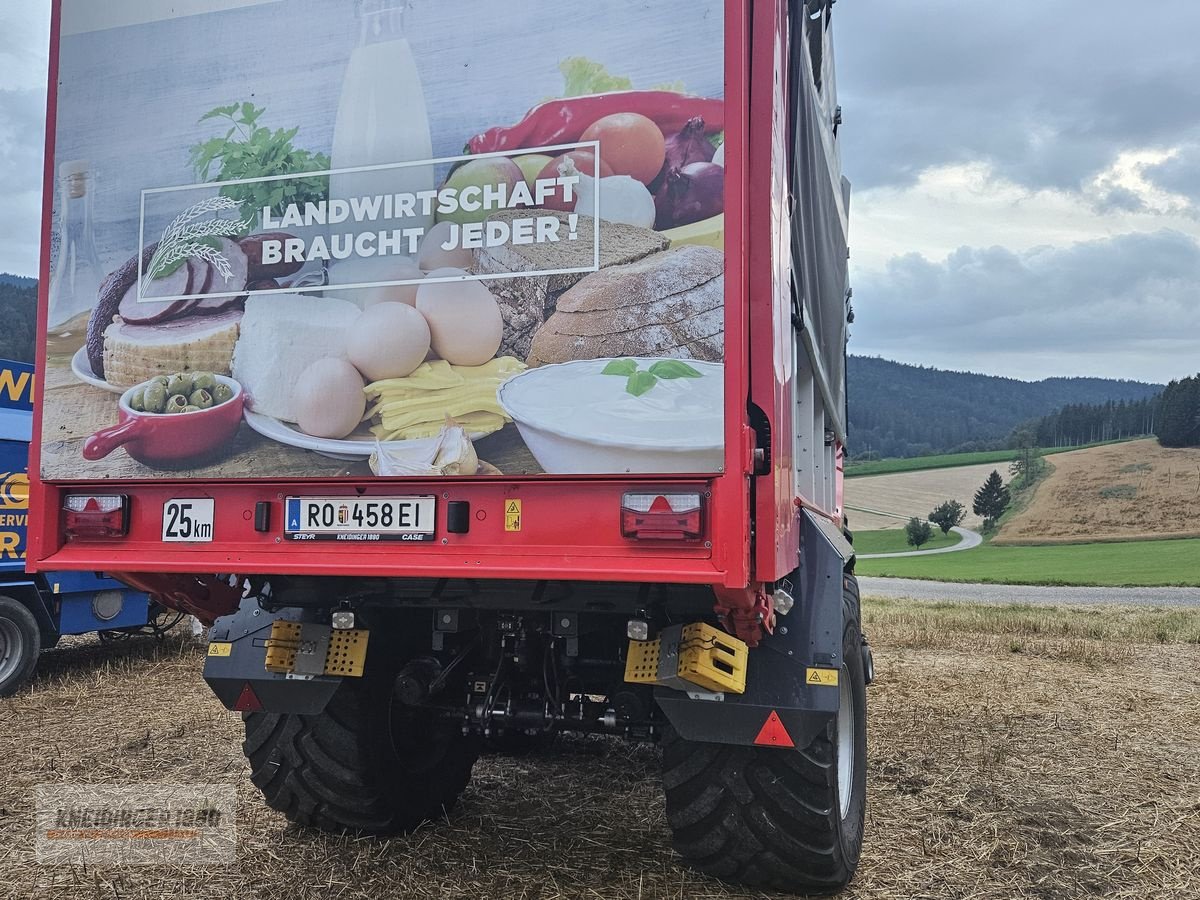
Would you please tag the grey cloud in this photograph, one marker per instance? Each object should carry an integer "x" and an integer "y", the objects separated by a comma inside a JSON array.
[
  {"x": 1049, "y": 93},
  {"x": 1180, "y": 174},
  {"x": 22, "y": 129},
  {"x": 1122, "y": 307},
  {"x": 1118, "y": 199}
]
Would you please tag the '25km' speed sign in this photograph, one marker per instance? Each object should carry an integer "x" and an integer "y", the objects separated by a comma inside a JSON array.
[{"x": 188, "y": 520}]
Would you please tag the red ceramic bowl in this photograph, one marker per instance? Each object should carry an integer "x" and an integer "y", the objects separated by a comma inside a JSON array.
[{"x": 170, "y": 441}]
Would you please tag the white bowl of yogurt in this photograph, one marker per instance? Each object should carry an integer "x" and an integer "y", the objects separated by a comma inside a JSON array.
[{"x": 576, "y": 420}]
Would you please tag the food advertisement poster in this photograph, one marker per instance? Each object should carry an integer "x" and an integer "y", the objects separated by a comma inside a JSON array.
[{"x": 320, "y": 238}]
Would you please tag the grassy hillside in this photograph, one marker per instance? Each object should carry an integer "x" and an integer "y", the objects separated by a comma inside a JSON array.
[
  {"x": 1128, "y": 563},
  {"x": 895, "y": 540},
  {"x": 1001, "y": 458}
]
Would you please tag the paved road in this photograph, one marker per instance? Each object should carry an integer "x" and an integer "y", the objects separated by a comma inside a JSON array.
[
  {"x": 969, "y": 539},
  {"x": 1019, "y": 593}
]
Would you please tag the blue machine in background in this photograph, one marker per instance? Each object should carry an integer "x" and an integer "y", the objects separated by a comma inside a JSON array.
[{"x": 37, "y": 610}]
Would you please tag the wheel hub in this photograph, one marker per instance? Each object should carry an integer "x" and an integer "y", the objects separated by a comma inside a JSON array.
[
  {"x": 845, "y": 742},
  {"x": 11, "y": 645}
]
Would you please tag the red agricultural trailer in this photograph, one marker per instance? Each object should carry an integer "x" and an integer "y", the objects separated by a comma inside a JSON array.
[{"x": 466, "y": 415}]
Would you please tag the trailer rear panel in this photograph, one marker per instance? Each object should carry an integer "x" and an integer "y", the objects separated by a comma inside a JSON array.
[{"x": 374, "y": 236}]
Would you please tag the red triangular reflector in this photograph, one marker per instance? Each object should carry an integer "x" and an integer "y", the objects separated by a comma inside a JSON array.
[
  {"x": 247, "y": 700},
  {"x": 773, "y": 734}
]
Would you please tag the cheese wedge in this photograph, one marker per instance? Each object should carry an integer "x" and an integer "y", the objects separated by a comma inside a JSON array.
[{"x": 417, "y": 406}]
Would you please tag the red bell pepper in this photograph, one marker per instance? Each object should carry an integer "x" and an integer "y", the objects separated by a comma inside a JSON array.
[{"x": 564, "y": 121}]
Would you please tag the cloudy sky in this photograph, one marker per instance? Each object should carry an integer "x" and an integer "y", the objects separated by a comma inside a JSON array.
[{"x": 1027, "y": 179}]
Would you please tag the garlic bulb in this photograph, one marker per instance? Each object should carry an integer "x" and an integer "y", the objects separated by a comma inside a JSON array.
[
  {"x": 719, "y": 156},
  {"x": 623, "y": 200},
  {"x": 449, "y": 453}
]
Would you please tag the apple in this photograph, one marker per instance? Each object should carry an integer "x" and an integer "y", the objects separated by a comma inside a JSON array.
[
  {"x": 531, "y": 164},
  {"x": 480, "y": 173}
]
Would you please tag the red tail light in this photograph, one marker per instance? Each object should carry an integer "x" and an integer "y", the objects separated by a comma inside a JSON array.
[
  {"x": 662, "y": 517},
  {"x": 96, "y": 516}
]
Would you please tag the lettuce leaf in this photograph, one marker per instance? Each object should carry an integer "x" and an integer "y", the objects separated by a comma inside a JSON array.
[{"x": 582, "y": 77}]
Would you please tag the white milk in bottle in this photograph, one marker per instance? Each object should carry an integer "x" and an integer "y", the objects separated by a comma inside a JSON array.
[{"x": 381, "y": 119}]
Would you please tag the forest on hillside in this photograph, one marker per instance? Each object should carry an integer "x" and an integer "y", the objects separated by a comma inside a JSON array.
[
  {"x": 18, "y": 321},
  {"x": 899, "y": 410},
  {"x": 1089, "y": 423},
  {"x": 1179, "y": 414}
]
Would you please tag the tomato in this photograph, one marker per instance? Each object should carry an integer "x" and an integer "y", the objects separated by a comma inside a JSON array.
[{"x": 630, "y": 144}]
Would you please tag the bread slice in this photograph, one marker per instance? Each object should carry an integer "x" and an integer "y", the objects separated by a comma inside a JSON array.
[
  {"x": 669, "y": 304},
  {"x": 527, "y": 302}
]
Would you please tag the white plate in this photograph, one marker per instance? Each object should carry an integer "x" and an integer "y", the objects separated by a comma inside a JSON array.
[
  {"x": 349, "y": 449},
  {"x": 81, "y": 368}
]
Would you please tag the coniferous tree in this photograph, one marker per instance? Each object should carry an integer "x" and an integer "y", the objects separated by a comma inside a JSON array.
[{"x": 991, "y": 499}]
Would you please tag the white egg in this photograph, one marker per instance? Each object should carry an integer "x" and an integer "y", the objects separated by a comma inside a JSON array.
[
  {"x": 329, "y": 399},
  {"x": 464, "y": 319},
  {"x": 432, "y": 256},
  {"x": 389, "y": 340}
]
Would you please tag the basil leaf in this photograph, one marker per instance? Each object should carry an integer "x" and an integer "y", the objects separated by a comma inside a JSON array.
[
  {"x": 640, "y": 382},
  {"x": 620, "y": 367},
  {"x": 674, "y": 368}
]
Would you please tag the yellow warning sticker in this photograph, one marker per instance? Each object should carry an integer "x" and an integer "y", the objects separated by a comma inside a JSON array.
[
  {"x": 827, "y": 677},
  {"x": 220, "y": 648},
  {"x": 512, "y": 515}
]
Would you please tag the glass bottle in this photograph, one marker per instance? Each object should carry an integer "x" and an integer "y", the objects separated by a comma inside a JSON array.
[
  {"x": 381, "y": 119},
  {"x": 75, "y": 281}
]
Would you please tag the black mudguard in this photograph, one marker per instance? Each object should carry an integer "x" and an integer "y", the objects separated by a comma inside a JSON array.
[
  {"x": 230, "y": 677},
  {"x": 777, "y": 675}
]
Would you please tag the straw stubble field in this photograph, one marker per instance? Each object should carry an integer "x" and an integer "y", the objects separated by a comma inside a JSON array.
[
  {"x": 1014, "y": 754},
  {"x": 1131, "y": 491},
  {"x": 907, "y": 494}
]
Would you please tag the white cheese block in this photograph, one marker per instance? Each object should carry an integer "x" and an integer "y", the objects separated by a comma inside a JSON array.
[{"x": 281, "y": 336}]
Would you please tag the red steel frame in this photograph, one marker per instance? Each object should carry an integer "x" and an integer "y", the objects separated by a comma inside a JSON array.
[{"x": 571, "y": 524}]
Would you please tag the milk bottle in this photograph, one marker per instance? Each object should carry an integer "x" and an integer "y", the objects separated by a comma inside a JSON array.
[{"x": 381, "y": 119}]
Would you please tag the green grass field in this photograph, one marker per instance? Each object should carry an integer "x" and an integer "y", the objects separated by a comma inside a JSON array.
[
  {"x": 1128, "y": 563},
  {"x": 950, "y": 460},
  {"x": 894, "y": 540}
]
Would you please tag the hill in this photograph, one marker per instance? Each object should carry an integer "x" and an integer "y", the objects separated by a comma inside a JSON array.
[
  {"x": 903, "y": 410},
  {"x": 18, "y": 321},
  {"x": 17, "y": 280},
  {"x": 1128, "y": 491}
]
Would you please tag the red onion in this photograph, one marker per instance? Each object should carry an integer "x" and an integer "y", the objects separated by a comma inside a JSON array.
[
  {"x": 687, "y": 147},
  {"x": 691, "y": 194}
]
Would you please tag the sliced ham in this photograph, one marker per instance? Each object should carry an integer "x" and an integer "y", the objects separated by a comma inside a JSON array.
[
  {"x": 215, "y": 283},
  {"x": 181, "y": 281}
]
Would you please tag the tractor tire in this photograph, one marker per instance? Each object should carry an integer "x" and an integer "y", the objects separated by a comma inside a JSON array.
[
  {"x": 774, "y": 819},
  {"x": 20, "y": 645},
  {"x": 365, "y": 765}
]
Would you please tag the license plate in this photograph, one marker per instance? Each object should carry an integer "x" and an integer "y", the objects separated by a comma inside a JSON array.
[
  {"x": 188, "y": 520},
  {"x": 360, "y": 518}
]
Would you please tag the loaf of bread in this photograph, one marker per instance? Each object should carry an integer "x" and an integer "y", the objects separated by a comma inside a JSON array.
[
  {"x": 527, "y": 302},
  {"x": 669, "y": 304}
]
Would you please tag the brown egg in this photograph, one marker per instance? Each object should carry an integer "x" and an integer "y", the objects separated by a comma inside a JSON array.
[
  {"x": 329, "y": 399},
  {"x": 388, "y": 340},
  {"x": 464, "y": 319},
  {"x": 431, "y": 256}
]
